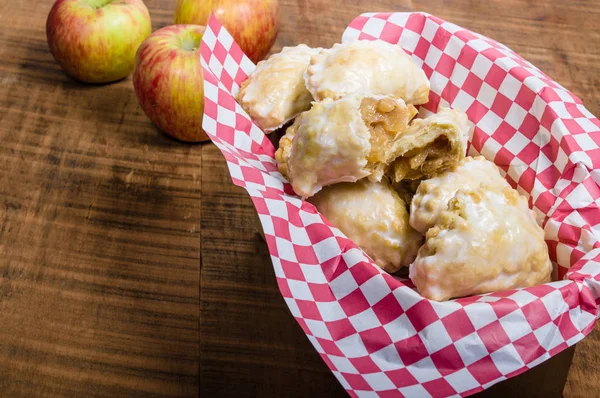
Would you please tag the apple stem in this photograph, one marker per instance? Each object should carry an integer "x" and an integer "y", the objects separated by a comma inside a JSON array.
[{"x": 190, "y": 42}]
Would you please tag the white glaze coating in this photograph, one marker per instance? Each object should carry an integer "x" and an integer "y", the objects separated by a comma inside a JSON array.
[
  {"x": 369, "y": 67},
  {"x": 330, "y": 145},
  {"x": 374, "y": 217},
  {"x": 433, "y": 194},
  {"x": 487, "y": 240},
  {"x": 275, "y": 92}
]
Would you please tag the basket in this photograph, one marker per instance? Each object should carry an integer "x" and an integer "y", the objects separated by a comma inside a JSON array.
[{"x": 378, "y": 336}]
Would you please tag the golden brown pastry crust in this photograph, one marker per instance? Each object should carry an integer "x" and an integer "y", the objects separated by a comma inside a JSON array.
[
  {"x": 275, "y": 92},
  {"x": 374, "y": 217},
  {"x": 368, "y": 67},
  {"x": 432, "y": 195},
  {"x": 342, "y": 141},
  {"x": 486, "y": 241},
  {"x": 430, "y": 146},
  {"x": 481, "y": 235}
]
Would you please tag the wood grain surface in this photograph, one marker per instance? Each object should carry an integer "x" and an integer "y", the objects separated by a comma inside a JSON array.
[{"x": 129, "y": 263}]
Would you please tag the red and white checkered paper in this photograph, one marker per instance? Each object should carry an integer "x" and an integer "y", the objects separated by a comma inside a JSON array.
[{"x": 378, "y": 336}]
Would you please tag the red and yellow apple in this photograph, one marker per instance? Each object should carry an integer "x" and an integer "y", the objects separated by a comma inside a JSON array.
[
  {"x": 95, "y": 41},
  {"x": 254, "y": 24},
  {"x": 169, "y": 82}
]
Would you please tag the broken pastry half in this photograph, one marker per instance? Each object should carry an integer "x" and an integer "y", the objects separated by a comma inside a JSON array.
[
  {"x": 374, "y": 217},
  {"x": 430, "y": 145},
  {"x": 368, "y": 67},
  {"x": 275, "y": 92},
  {"x": 432, "y": 195},
  {"x": 342, "y": 141},
  {"x": 486, "y": 240}
]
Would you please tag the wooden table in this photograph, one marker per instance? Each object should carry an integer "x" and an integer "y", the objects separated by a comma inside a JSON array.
[{"x": 129, "y": 264}]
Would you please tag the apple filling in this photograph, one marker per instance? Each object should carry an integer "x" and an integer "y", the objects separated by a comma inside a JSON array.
[
  {"x": 282, "y": 155},
  {"x": 386, "y": 120},
  {"x": 429, "y": 146},
  {"x": 427, "y": 161}
]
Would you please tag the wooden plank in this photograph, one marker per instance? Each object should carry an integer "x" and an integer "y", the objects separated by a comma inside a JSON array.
[
  {"x": 129, "y": 263},
  {"x": 99, "y": 232}
]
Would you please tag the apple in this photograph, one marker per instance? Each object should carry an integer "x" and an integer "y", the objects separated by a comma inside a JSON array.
[
  {"x": 169, "y": 83},
  {"x": 254, "y": 24},
  {"x": 95, "y": 41}
]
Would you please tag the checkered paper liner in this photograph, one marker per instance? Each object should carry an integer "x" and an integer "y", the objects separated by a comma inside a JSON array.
[{"x": 378, "y": 336}]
